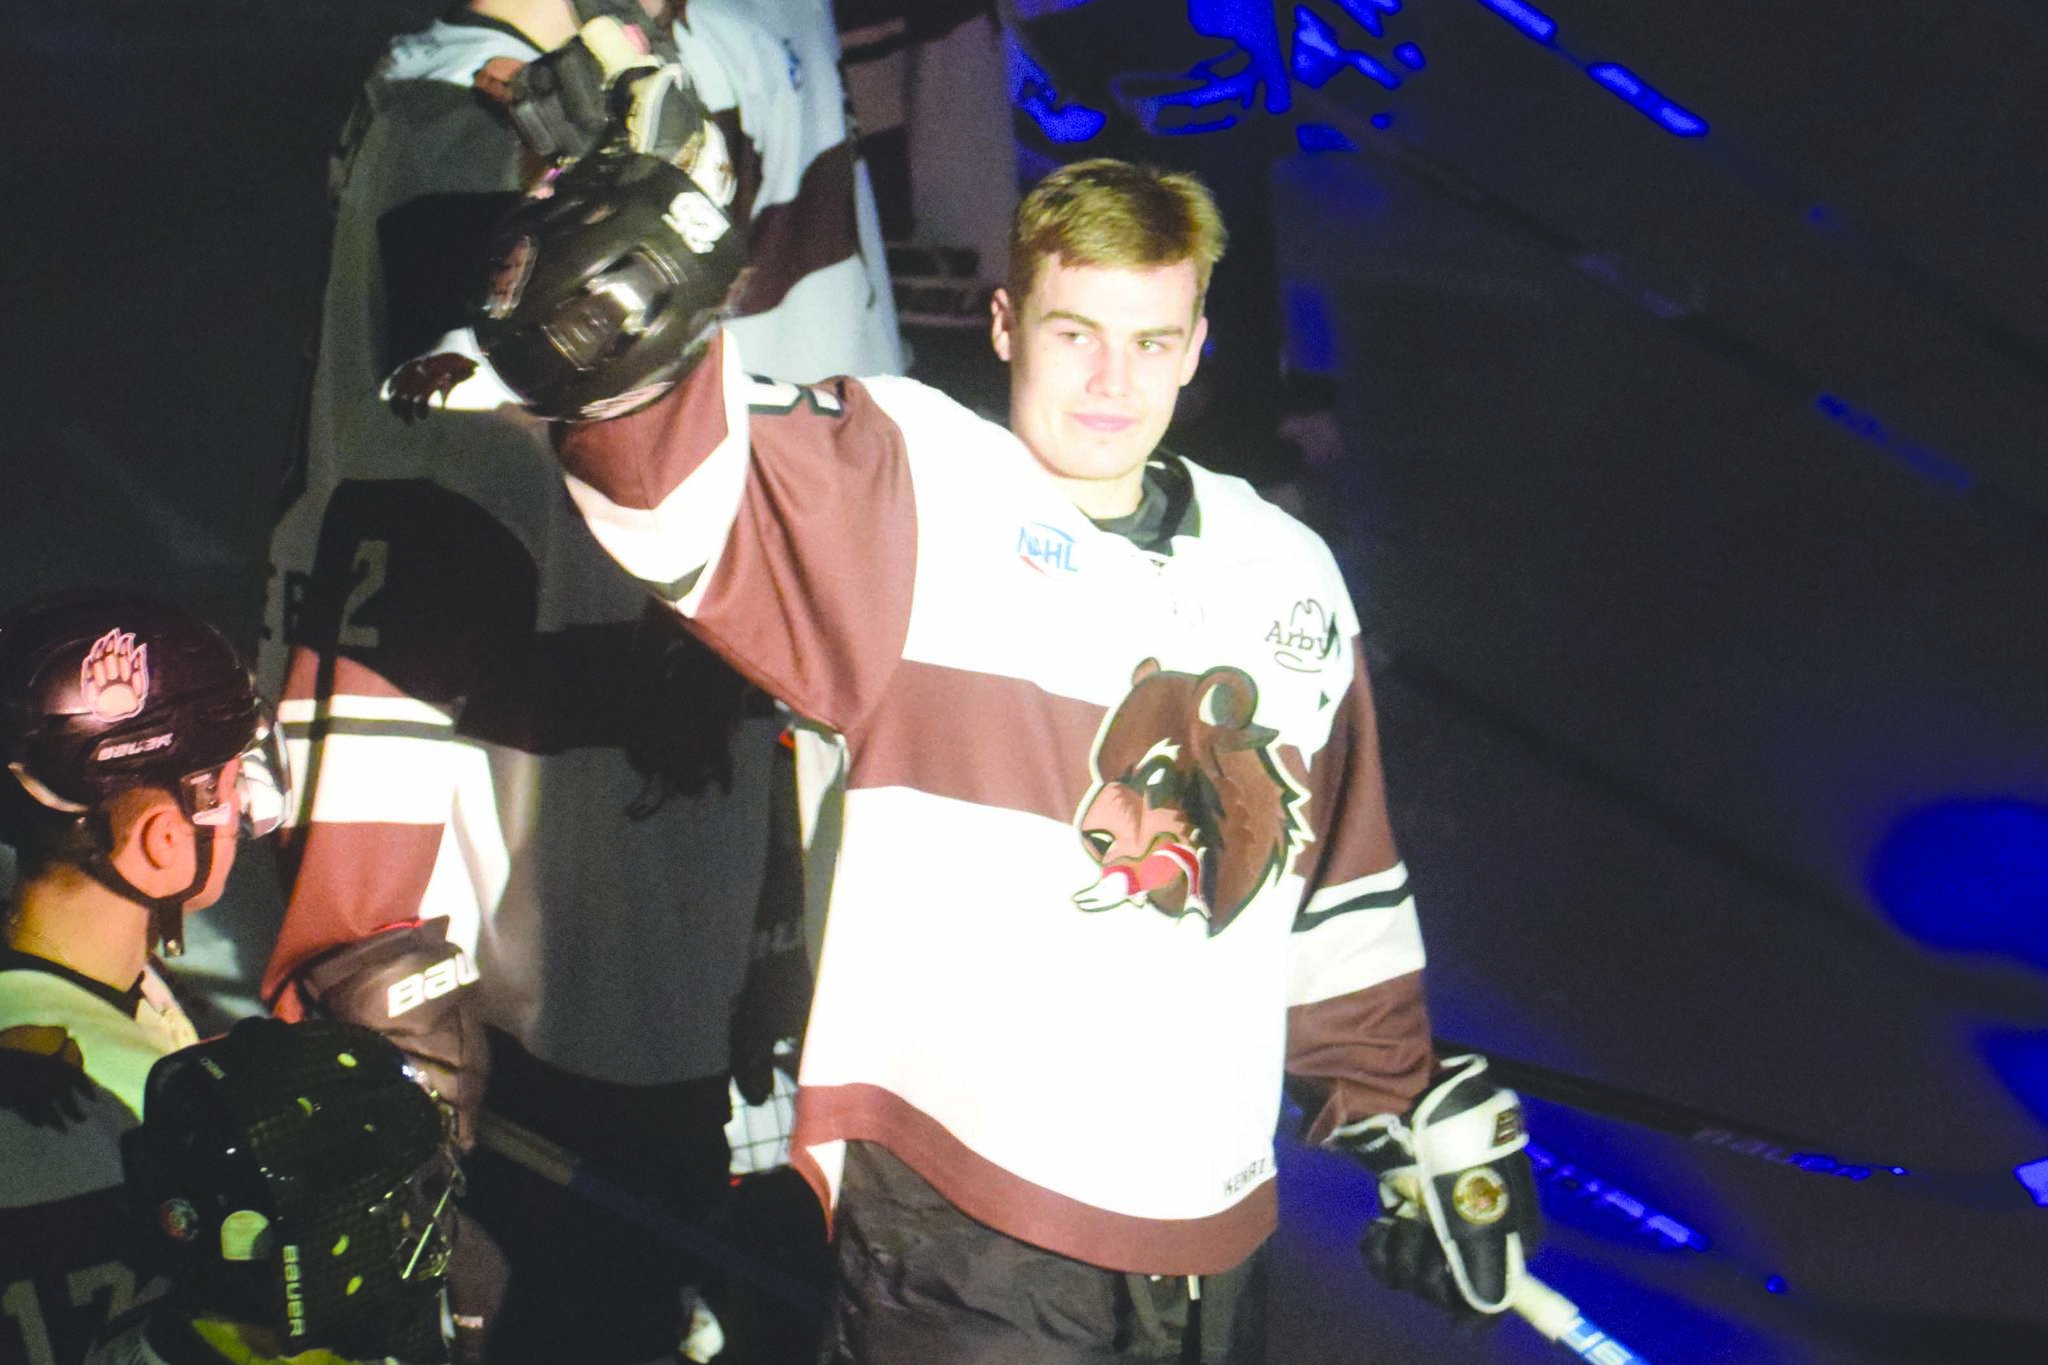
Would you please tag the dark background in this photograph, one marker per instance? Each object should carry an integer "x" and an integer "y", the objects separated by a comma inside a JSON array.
[{"x": 1692, "y": 493}]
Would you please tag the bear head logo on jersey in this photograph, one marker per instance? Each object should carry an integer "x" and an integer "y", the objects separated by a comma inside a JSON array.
[{"x": 1190, "y": 811}]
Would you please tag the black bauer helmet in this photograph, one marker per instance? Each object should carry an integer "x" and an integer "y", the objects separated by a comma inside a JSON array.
[
  {"x": 604, "y": 285},
  {"x": 298, "y": 1178},
  {"x": 104, "y": 691}
]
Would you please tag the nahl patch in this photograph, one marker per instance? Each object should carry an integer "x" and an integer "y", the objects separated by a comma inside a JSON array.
[{"x": 410, "y": 992}]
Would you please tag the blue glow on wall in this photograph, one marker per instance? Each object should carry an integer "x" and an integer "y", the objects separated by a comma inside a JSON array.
[
  {"x": 1638, "y": 93},
  {"x": 1527, "y": 18},
  {"x": 1321, "y": 137},
  {"x": 1311, "y": 340},
  {"x": 1969, "y": 876},
  {"x": 2021, "y": 1061},
  {"x": 1920, "y": 459},
  {"x": 1318, "y": 55},
  {"x": 1260, "y": 68},
  {"x": 1032, "y": 91},
  {"x": 2034, "y": 1175}
]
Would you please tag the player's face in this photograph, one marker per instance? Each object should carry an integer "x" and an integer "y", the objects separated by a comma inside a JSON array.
[
  {"x": 1097, "y": 358},
  {"x": 226, "y": 826}
]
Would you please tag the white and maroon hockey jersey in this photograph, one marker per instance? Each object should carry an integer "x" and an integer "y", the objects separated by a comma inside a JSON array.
[
  {"x": 483, "y": 710},
  {"x": 1115, "y": 848}
]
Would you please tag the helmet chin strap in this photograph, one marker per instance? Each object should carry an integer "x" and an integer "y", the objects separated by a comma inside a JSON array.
[{"x": 166, "y": 913}]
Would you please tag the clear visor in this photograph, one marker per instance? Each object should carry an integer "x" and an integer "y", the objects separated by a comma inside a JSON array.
[{"x": 255, "y": 787}]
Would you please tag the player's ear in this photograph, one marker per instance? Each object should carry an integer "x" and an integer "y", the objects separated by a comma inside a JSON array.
[
  {"x": 1003, "y": 323},
  {"x": 153, "y": 845},
  {"x": 1193, "y": 357}
]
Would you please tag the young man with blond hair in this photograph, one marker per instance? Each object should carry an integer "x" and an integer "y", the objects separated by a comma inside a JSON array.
[{"x": 1115, "y": 852}]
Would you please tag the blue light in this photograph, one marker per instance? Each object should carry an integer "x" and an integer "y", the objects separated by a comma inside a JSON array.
[
  {"x": 2034, "y": 1175},
  {"x": 1321, "y": 137},
  {"x": 1367, "y": 18},
  {"x": 1410, "y": 56},
  {"x": 1527, "y": 18},
  {"x": 1383, "y": 121},
  {"x": 1680, "y": 121},
  {"x": 1969, "y": 876},
  {"x": 1031, "y": 90},
  {"x": 1649, "y": 102},
  {"x": 1311, "y": 340},
  {"x": 1775, "y": 1284},
  {"x": 1914, "y": 455},
  {"x": 1619, "y": 79},
  {"x": 1318, "y": 55},
  {"x": 2021, "y": 1061}
]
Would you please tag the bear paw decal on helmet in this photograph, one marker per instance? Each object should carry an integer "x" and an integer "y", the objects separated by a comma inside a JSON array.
[{"x": 1189, "y": 811}]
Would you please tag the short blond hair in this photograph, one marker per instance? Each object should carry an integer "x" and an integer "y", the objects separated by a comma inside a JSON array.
[{"x": 1115, "y": 214}]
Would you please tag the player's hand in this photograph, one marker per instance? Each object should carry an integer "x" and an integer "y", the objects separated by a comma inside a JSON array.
[
  {"x": 415, "y": 385},
  {"x": 1458, "y": 1217}
]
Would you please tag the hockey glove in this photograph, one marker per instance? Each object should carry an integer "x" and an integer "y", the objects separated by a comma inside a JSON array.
[
  {"x": 411, "y": 985},
  {"x": 1458, "y": 1213},
  {"x": 602, "y": 86}
]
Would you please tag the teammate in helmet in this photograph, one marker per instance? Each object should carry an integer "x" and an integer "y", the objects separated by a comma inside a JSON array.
[
  {"x": 295, "y": 1181},
  {"x": 136, "y": 753}
]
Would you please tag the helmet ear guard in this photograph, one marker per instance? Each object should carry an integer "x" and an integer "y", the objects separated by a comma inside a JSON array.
[{"x": 297, "y": 1178}]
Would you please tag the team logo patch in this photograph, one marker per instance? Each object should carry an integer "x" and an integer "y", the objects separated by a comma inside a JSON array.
[
  {"x": 508, "y": 280},
  {"x": 1480, "y": 1196},
  {"x": 1047, "y": 549},
  {"x": 1190, "y": 810},
  {"x": 113, "y": 678},
  {"x": 1305, "y": 640},
  {"x": 178, "y": 1219}
]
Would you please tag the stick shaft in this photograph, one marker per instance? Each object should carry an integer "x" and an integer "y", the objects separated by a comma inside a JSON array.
[{"x": 1559, "y": 1319}]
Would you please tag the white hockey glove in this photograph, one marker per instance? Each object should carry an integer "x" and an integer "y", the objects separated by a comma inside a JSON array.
[
  {"x": 604, "y": 87},
  {"x": 1458, "y": 1213}
]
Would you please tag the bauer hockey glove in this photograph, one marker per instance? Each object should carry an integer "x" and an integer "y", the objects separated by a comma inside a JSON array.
[
  {"x": 1458, "y": 1215},
  {"x": 411, "y": 985}
]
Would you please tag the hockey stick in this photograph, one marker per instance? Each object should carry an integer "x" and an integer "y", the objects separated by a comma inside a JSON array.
[
  {"x": 1560, "y": 1320},
  {"x": 1968, "y": 1189},
  {"x": 560, "y": 1166}
]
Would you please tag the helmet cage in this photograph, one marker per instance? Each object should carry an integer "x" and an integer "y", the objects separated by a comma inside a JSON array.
[{"x": 302, "y": 1185}]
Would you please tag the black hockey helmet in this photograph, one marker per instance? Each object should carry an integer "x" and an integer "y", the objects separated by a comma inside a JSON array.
[
  {"x": 105, "y": 691},
  {"x": 604, "y": 285},
  {"x": 298, "y": 1178}
]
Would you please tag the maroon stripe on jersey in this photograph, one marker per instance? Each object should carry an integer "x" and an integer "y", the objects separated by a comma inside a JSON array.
[
  {"x": 639, "y": 459},
  {"x": 1361, "y": 1054},
  {"x": 1347, "y": 797},
  {"x": 977, "y": 737},
  {"x": 302, "y": 681},
  {"x": 791, "y": 240},
  {"x": 811, "y": 598},
  {"x": 352, "y": 881},
  {"x": 985, "y": 1191}
]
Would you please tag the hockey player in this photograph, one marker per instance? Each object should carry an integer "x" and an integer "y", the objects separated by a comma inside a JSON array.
[
  {"x": 537, "y": 810},
  {"x": 294, "y": 1181},
  {"x": 136, "y": 755},
  {"x": 1115, "y": 851}
]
